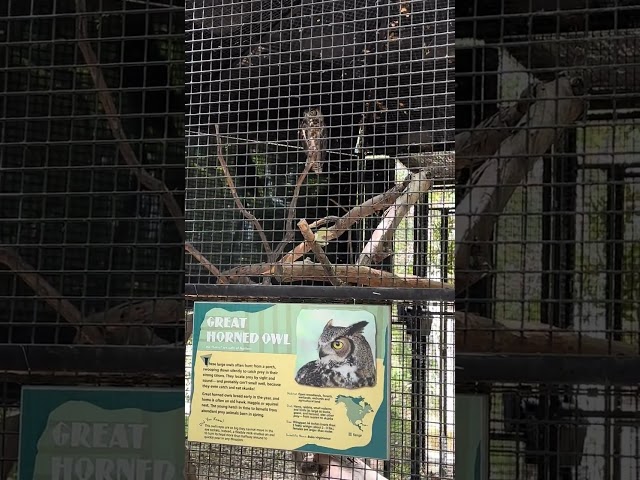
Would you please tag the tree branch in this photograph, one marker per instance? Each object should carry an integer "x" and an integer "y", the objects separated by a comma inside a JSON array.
[
  {"x": 351, "y": 274},
  {"x": 496, "y": 180},
  {"x": 477, "y": 334},
  {"x": 310, "y": 238},
  {"x": 49, "y": 295},
  {"x": 234, "y": 192},
  {"x": 115, "y": 125},
  {"x": 344, "y": 223},
  {"x": 472, "y": 146},
  {"x": 195, "y": 253},
  {"x": 383, "y": 234},
  {"x": 289, "y": 232}
]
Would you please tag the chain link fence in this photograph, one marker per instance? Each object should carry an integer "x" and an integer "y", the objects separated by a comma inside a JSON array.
[
  {"x": 547, "y": 233},
  {"x": 320, "y": 169}
]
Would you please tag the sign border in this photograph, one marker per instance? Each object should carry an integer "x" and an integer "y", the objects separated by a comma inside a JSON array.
[{"x": 386, "y": 360}]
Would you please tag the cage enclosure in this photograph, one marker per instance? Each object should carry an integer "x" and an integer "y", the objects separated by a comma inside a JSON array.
[
  {"x": 320, "y": 168},
  {"x": 92, "y": 99},
  {"x": 546, "y": 246}
]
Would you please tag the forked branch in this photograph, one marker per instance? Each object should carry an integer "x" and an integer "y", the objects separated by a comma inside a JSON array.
[{"x": 115, "y": 125}]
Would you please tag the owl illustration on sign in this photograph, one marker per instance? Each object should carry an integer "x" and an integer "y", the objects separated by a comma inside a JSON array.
[
  {"x": 313, "y": 133},
  {"x": 345, "y": 359}
]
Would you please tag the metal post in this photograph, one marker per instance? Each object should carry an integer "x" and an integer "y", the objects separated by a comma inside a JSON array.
[{"x": 418, "y": 325}]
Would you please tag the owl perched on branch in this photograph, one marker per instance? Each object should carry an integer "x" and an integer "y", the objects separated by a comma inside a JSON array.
[
  {"x": 345, "y": 359},
  {"x": 313, "y": 133}
]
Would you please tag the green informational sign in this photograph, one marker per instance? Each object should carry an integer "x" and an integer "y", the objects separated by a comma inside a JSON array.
[
  {"x": 101, "y": 434},
  {"x": 472, "y": 437},
  {"x": 305, "y": 377}
]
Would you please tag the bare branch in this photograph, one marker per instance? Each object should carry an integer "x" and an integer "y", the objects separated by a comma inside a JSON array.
[
  {"x": 351, "y": 274},
  {"x": 125, "y": 323},
  {"x": 113, "y": 119},
  {"x": 48, "y": 294},
  {"x": 195, "y": 253},
  {"x": 344, "y": 223},
  {"x": 289, "y": 232},
  {"x": 473, "y": 146},
  {"x": 309, "y": 237},
  {"x": 496, "y": 180},
  {"x": 476, "y": 334},
  {"x": 383, "y": 234},
  {"x": 234, "y": 192}
]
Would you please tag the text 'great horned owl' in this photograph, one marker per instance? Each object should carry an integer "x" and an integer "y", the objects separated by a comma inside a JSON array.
[
  {"x": 346, "y": 359},
  {"x": 313, "y": 133}
]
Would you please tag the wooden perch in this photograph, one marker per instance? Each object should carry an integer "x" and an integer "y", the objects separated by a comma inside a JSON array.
[
  {"x": 472, "y": 146},
  {"x": 124, "y": 324},
  {"x": 476, "y": 334},
  {"x": 309, "y": 237},
  {"x": 52, "y": 297},
  {"x": 383, "y": 234},
  {"x": 195, "y": 253},
  {"x": 351, "y": 274},
  {"x": 115, "y": 125},
  {"x": 332, "y": 467},
  {"x": 495, "y": 181},
  {"x": 344, "y": 223}
]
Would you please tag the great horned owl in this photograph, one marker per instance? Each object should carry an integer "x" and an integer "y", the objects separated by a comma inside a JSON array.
[
  {"x": 313, "y": 133},
  {"x": 346, "y": 360}
]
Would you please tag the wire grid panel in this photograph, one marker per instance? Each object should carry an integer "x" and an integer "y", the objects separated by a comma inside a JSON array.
[
  {"x": 86, "y": 238},
  {"x": 319, "y": 153},
  {"x": 547, "y": 208},
  {"x": 559, "y": 430}
]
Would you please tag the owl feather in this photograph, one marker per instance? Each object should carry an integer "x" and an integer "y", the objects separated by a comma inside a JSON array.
[{"x": 313, "y": 133}]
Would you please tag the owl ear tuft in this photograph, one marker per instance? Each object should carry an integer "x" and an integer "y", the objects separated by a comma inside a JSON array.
[{"x": 357, "y": 327}]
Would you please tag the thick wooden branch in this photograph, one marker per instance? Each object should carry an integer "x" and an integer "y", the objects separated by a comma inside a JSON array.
[
  {"x": 52, "y": 297},
  {"x": 383, "y": 234},
  {"x": 115, "y": 125},
  {"x": 344, "y": 223},
  {"x": 492, "y": 185},
  {"x": 477, "y": 334},
  {"x": 125, "y": 324},
  {"x": 309, "y": 237},
  {"x": 473, "y": 146},
  {"x": 351, "y": 274}
]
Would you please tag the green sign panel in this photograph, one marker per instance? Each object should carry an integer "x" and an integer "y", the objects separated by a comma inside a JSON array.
[
  {"x": 69, "y": 433},
  {"x": 307, "y": 377},
  {"x": 472, "y": 437}
]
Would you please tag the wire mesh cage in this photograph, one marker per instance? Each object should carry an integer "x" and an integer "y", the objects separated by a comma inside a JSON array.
[
  {"x": 547, "y": 234},
  {"x": 320, "y": 168},
  {"x": 91, "y": 149}
]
